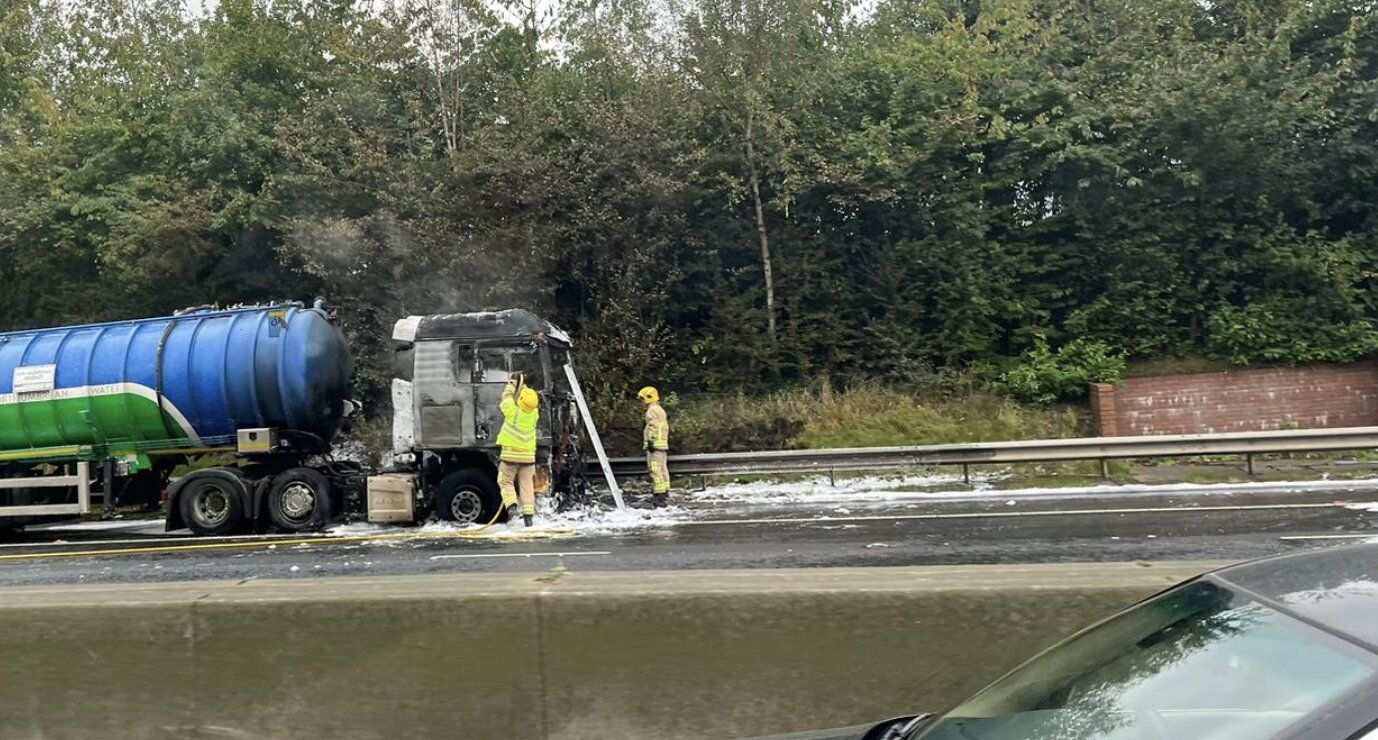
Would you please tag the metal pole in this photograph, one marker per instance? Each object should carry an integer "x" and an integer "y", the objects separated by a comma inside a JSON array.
[
  {"x": 832, "y": 480},
  {"x": 966, "y": 474},
  {"x": 1249, "y": 463},
  {"x": 593, "y": 435},
  {"x": 1104, "y": 468}
]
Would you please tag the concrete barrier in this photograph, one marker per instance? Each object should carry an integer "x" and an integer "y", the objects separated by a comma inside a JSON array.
[{"x": 574, "y": 655}]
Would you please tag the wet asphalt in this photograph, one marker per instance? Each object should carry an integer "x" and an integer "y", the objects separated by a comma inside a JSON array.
[{"x": 719, "y": 529}]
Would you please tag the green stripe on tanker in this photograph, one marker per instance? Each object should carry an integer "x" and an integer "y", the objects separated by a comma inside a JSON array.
[{"x": 120, "y": 413}]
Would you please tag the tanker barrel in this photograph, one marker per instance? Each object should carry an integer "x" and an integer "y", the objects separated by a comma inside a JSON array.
[{"x": 191, "y": 379}]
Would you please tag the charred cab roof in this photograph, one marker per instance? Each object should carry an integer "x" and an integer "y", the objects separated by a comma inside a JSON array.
[{"x": 513, "y": 323}]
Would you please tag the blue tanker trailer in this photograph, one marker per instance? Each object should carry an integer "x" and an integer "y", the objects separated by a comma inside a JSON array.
[
  {"x": 109, "y": 411},
  {"x": 116, "y": 407}
]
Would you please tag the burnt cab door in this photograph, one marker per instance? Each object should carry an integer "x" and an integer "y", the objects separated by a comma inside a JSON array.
[
  {"x": 532, "y": 359},
  {"x": 488, "y": 377},
  {"x": 495, "y": 363},
  {"x": 444, "y": 395}
]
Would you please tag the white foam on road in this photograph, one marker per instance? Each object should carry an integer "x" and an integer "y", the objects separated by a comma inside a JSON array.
[
  {"x": 819, "y": 490},
  {"x": 597, "y": 520},
  {"x": 592, "y": 520},
  {"x": 809, "y": 496}
]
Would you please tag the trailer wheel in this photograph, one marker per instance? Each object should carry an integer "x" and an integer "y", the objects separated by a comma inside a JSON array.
[
  {"x": 299, "y": 500},
  {"x": 210, "y": 505},
  {"x": 468, "y": 496}
]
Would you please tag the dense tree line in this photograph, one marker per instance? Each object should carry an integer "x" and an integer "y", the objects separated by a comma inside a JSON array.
[{"x": 711, "y": 194}]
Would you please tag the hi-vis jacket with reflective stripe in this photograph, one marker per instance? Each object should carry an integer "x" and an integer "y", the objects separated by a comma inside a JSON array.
[
  {"x": 656, "y": 435},
  {"x": 518, "y": 435}
]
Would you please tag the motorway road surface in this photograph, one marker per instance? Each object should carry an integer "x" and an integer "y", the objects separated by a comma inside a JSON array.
[{"x": 864, "y": 522}]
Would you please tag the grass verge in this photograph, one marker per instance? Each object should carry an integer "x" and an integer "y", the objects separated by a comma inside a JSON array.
[{"x": 864, "y": 416}]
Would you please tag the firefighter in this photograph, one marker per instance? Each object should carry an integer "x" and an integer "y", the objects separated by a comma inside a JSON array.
[
  {"x": 655, "y": 438},
  {"x": 517, "y": 464}
]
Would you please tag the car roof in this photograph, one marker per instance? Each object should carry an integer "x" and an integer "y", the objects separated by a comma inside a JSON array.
[{"x": 1335, "y": 588}]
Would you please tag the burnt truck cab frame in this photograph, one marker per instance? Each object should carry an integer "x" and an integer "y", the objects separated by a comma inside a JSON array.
[{"x": 449, "y": 371}]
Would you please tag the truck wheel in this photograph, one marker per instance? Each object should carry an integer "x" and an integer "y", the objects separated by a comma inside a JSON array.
[
  {"x": 467, "y": 496},
  {"x": 299, "y": 500},
  {"x": 210, "y": 505}
]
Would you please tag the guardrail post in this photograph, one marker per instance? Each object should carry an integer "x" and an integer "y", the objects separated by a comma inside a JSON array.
[
  {"x": 966, "y": 474},
  {"x": 1249, "y": 463},
  {"x": 1104, "y": 468}
]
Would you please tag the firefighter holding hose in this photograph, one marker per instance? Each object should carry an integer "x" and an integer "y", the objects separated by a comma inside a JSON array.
[
  {"x": 655, "y": 438},
  {"x": 520, "y": 408}
]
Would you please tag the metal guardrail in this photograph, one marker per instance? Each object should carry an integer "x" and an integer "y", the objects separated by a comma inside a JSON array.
[{"x": 1247, "y": 444}]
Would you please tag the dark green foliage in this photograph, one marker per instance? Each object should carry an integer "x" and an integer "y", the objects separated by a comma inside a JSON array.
[
  {"x": 939, "y": 184},
  {"x": 1043, "y": 376}
]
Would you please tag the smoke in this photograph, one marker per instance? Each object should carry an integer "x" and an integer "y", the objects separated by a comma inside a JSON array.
[{"x": 400, "y": 269}]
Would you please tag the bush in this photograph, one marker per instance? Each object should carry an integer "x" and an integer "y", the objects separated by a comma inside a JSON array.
[
  {"x": 1043, "y": 376},
  {"x": 1289, "y": 332}
]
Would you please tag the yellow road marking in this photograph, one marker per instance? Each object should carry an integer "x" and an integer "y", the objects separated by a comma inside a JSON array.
[{"x": 477, "y": 534}]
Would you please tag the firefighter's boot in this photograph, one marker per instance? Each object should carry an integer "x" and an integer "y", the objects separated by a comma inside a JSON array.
[
  {"x": 527, "y": 518},
  {"x": 511, "y": 512},
  {"x": 662, "y": 500}
]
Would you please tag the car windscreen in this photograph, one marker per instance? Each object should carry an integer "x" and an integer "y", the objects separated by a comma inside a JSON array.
[{"x": 1198, "y": 662}]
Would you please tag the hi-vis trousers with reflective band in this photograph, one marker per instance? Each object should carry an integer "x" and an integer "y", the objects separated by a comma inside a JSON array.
[
  {"x": 657, "y": 464},
  {"x": 518, "y": 479}
]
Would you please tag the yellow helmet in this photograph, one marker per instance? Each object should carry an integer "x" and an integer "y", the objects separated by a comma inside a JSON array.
[
  {"x": 528, "y": 400},
  {"x": 648, "y": 395}
]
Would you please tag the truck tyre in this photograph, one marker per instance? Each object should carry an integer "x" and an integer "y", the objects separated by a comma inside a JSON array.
[
  {"x": 299, "y": 500},
  {"x": 467, "y": 497},
  {"x": 210, "y": 505}
]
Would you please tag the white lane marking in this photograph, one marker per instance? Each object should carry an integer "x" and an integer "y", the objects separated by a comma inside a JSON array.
[
  {"x": 1010, "y": 514},
  {"x": 572, "y": 553},
  {"x": 1370, "y": 536}
]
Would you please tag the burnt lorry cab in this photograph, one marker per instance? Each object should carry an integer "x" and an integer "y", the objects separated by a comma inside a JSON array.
[{"x": 449, "y": 374}]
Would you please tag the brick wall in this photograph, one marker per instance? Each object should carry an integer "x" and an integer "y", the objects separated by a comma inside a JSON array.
[{"x": 1309, "y": 397}]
